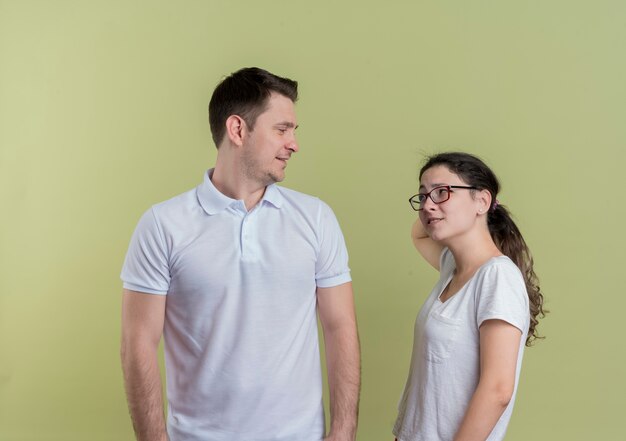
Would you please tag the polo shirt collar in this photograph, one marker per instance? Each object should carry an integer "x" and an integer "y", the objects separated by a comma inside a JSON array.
[
  {"x": 213, "y": 201},
  {"x": 273, "y": 195}
]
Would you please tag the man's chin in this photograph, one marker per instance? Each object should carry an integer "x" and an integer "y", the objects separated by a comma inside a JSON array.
[{"x": 276, "y": 177}]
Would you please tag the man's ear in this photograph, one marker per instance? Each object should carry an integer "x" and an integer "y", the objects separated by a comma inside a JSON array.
[{"x": 236, "y": 129}]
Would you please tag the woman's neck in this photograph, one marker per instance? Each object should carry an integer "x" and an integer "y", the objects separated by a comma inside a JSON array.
[{"x": 471, "y": 253}]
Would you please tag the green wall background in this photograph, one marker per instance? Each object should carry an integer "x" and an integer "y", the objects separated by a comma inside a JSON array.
[{"x": 103, "y": 113}]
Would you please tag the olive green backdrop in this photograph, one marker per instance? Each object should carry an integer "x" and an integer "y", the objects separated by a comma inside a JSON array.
[{"x": 103, "y": 113}]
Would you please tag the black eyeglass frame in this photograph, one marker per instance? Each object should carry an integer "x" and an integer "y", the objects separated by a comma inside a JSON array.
[{"x": 424, "y": 196}]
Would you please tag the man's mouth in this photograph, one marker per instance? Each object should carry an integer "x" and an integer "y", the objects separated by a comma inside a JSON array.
[{"x": 434, "y": 220}]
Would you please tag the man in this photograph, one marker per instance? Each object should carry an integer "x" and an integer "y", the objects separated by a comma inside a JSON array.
[{"x": 231, "y": 273}]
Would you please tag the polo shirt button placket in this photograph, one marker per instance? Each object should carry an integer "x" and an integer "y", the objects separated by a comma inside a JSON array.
[
  {"x": 243, "y": 235},
  {"x": 245, "y": 242}
]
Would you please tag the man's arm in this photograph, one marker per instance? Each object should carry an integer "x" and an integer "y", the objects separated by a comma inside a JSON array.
[
  {"x": 499, "y": 346},
  {"x": 336, "y": 312},
  {"x": 142, "y": 326}
]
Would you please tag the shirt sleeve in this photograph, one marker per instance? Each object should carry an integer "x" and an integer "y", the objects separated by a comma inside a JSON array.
[
  {"x": 446, "y": 263},
  {"x": 502, "y": 295},
  {"x": 331, "y": 267},
  {"x": 146, "y": 266}
]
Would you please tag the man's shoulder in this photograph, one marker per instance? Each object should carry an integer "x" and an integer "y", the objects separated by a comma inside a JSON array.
[
  {"x": 297, "y": 196},
  {"x": 178, "y": 204},
  {"x": 303, "y": 201},
  {"x": 307, "y": 206}
]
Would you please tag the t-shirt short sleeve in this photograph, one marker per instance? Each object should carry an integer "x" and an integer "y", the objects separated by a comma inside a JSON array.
[
  {"x": 446, "y": 263},
  {"x": 331, "y": 267},
  {"x": 146, "y": 266},
  {"x": 502, "y": 295}
]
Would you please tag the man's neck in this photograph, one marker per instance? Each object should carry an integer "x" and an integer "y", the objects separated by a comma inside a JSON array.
[{"x": 230, "y": 182}]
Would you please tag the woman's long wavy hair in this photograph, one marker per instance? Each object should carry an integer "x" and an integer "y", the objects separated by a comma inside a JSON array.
[{"x": 503, "y": 230}]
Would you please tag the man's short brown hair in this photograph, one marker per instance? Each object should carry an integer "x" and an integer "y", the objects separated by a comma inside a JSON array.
[{"x": 245, "y": 93}]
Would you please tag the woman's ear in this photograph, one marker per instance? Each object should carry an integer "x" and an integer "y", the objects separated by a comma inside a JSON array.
[{"x": 483, "y": 199}]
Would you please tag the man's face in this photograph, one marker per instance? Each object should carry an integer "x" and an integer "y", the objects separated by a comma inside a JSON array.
[{"x": 268, "y": 147}]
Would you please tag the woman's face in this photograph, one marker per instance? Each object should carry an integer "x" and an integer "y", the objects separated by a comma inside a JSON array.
[{"x": 454, "y": 217}]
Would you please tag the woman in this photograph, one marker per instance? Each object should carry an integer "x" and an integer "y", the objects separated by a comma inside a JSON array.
[{"x": 471, "y": 331}]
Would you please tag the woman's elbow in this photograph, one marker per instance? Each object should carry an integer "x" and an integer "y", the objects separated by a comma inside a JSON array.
[
  {"x": 503, "y": 394},
  {"x": 498, "y": 393}
]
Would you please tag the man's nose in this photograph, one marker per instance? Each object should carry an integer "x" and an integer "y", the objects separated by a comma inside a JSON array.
[{"x": 293, "y": 145}]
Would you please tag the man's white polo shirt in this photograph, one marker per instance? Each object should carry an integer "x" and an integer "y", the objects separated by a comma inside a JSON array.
[{"x": 241, "y": 348}]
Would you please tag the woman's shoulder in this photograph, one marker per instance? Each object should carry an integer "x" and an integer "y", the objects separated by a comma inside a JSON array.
[
  {"x": 500, "y": 277},
  {"x": 500, "y": 266},
  {"x": 500, "y": 293}
]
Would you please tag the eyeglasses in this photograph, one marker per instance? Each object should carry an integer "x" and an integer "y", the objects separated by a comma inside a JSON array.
[{"x": 438, "y": 195}]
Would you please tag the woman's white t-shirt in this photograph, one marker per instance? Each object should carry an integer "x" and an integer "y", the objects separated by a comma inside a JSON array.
[{"x": 445, "y": 365}]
